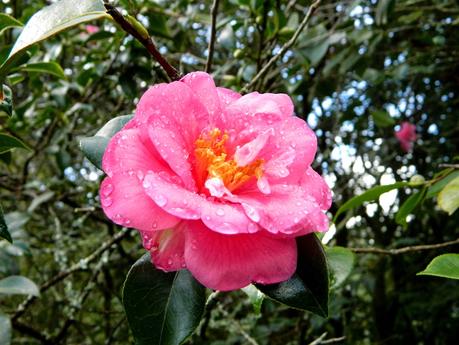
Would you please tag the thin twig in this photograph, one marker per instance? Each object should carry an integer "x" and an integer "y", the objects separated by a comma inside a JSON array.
[
  {"x": 333, "y": 340},
  {"x": 319, "y": 339},
  {"x": 404, "y": 250},
  {"x": 213, "y": 32},
  {"x": 284, "y": 48},
  {"x": 454, "y": 166},
  {"x": 72, "y": 269},
  {"x": 146, "y": 41}
]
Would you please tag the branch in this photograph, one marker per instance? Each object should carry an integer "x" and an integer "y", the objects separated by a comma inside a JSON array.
[
  {"x": 81, "y": 265},
  {"x": 404, "y": 250},
  {"x": 284, "y": 48},
  {"x": 144, "y": 38},
  {"x": 213, "y": 31}
]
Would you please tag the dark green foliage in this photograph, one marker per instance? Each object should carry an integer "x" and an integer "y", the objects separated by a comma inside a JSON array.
[{"x": 162, "y": 308}]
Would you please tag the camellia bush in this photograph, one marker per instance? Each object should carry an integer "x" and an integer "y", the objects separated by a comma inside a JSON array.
[{"x": 229, "y": 172}]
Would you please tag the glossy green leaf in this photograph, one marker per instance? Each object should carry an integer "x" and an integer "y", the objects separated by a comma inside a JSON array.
[
  {"x": 5, "y": 329},
  {"x": 94, "y": 147},
  {"x": 162, "y": 308},
  {"x": 409, "y": 205},
  {"x": 4, "y": 233},
  {"x": 446, "y": 266},
  {"x": 7, "y": 22},
  {"x": 382, "y": 118},
  {"x": 52, "y": 68},
  {"x": 448, "y": 198},
  {"x": 439, "y": 185},
  {"x": 18, "y": 285},
  {"x": 370, "y": 195},
  {"x": 341, "y": 262},
  {"x": 6, "y": 101},
  {"x": 8, "y": 142},
  {"x": 308, "y": 288},
  {"x": 51, "y": 20}
]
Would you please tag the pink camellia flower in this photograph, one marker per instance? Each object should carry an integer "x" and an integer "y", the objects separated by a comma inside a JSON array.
[
  {"x": 92, "y": 29},
  {"x": 406, "y": 136},
  {"x": 216, "y": 182}
]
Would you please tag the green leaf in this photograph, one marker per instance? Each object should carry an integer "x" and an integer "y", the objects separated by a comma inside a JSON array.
[
  {"x": 439, "y": 185},
  {"x": 52, "y": 68},
  {"x": 18, "y": 285},
  {"x": 408, "y": 206},
  {"x": 383, "y": 10},
  {"x": 51, "y": 20},
  {"x": 341, "y": 262},
  {"x": 370, "y": 195},
  {"x": 256, "y": 297},
  {"x": 316, "y": 52},
  {"x": 382, "y": 118},
  {"x": 162, "y": 308},
  {"x": 6, "y": 101},
  {"x": 448, "y": 199},
  {"x": 446, "y": 266},
  {"x": 94, "y": 147},
  {"x": 7, "y": 22},
  {"x": 4, "y": 233},
  {"x": 5, "y": 330},
  {"x": 8, "y": 142},
  {"x": 308, "y": 288}
]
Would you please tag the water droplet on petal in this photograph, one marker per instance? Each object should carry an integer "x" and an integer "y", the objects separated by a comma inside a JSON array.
[
  {"x": 160, "y": 200},
  {"x": 252, "y": 227},
  {"x": 107, "y": 201},
  {"x": 107, "y": 189},
  {"x": 220, "y": 212},
  {"x": 140, "y": 175},
  {"x": 251, "y": 212}
]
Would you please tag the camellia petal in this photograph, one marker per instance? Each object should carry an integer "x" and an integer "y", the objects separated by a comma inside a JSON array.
[
  {"x": 124, "y": 201},
  {"x": 228, "y": 262}
]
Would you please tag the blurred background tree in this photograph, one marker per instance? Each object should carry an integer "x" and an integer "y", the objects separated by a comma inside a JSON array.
[{"x": 356, "y": 73}]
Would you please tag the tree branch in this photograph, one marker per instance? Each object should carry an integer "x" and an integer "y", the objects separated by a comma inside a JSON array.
[
  {"x": 144, "y": 38},
  {"x": 284, "y": 48},
  {"x": 404, "y": 250},
  {"x": 213, "y": 32}
]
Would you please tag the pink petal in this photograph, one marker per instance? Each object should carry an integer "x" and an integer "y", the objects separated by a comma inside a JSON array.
[
  {"x": 203, "y": 87},
  {"x": 287, "y": 211},
  {"x": 229, "y": 262},
  {"x": 175, "y": 107},
  {"x": 267, "y": 103},
  {"x": 174, "y": 152},
  {"x": 315, "y": 185},
  {"x": 130, "y": 151},
  {"x": 124, "y": 201},
  {"x": 166, "y": 248},
  {"x": 220, "y": 217},
  {"x": 227, "y": 96},
  {"x": 292, "y": 147},
  {"x": 247, "y": 153}
]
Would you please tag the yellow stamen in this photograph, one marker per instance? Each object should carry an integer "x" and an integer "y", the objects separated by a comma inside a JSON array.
[{"x": 212, "y": 161}]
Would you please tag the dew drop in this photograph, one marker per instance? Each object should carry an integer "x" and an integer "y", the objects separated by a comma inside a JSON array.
[
  {"x": 140, "y": 175},
  {"x": 160, "y": 200},
  {"x": 220, "y": 212},
  {"x": 107, "y": 189},
  {"x": 107, "y": 201}
]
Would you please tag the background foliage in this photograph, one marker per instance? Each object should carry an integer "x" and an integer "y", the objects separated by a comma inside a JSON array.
[{"x": 360, "y": 69}]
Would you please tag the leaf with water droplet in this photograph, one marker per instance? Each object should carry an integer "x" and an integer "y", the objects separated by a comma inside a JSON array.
[{"x": 161, "y": 308}]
